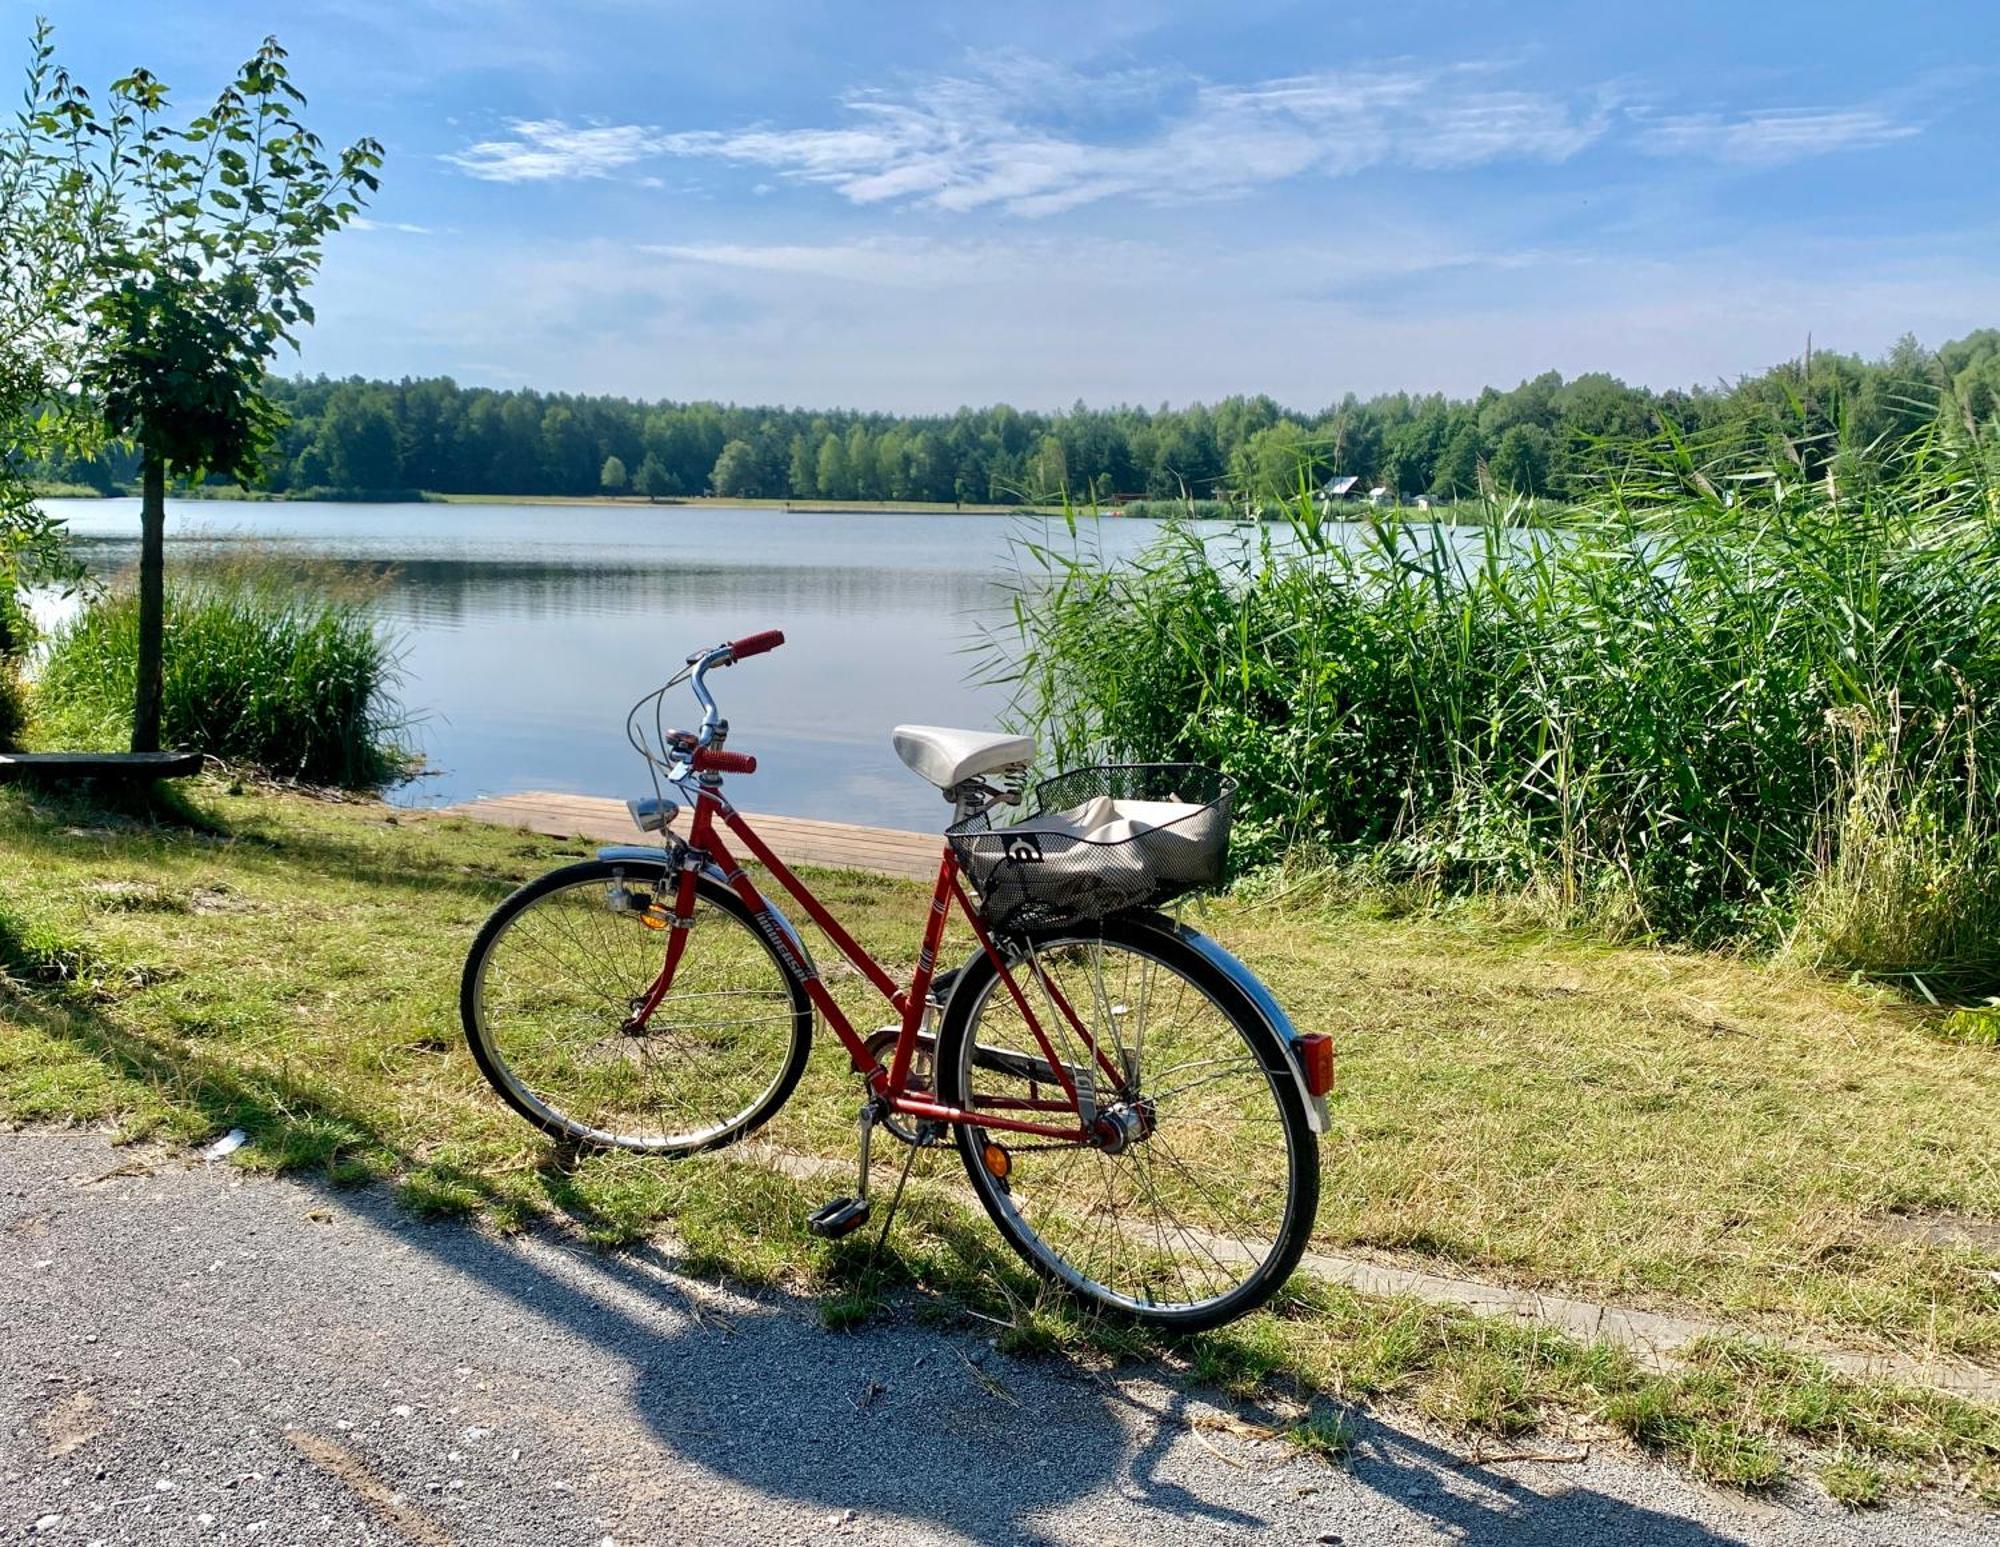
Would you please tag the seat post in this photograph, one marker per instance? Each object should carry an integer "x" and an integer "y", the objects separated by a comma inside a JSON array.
[{"x": 969, "y": 797}]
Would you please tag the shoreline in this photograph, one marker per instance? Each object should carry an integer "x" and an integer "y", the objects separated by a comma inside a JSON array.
[{"x": 813, "y": 507}]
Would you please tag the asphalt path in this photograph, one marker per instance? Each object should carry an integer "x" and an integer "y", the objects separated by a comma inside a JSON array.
[{"x": 188, "y": 1354}]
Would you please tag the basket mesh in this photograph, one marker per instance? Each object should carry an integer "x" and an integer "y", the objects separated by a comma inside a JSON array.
[{"x": 1100, "y": 841}]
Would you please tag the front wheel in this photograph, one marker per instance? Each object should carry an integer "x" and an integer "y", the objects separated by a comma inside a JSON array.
[
  {"x": 552, "y": 984},
  {"x": 1196, "y": 1200}
]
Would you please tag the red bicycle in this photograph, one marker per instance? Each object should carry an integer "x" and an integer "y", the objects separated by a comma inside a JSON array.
[{"x": 1133, "y": 1108}]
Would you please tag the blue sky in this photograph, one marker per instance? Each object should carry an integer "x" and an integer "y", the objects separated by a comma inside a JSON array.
[{"x": 915, "y": 206}]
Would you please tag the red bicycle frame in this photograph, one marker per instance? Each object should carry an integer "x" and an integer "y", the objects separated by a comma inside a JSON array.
[{"x": 891, "y": 1086}]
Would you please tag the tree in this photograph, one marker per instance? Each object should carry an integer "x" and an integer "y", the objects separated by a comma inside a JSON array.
[
  {"x": 357, "y": 443},
  {"x": 612, "y": 479},
  {"x": 1048, "y": 472},
  {"x": 1277, "y": 462},
  {"x": 49, "y": 218},
  {"x": 801, "y": 470},
  {"x": 1457, "y": 472},
  {"x": 1520, "y": 462},
  {"x": 863, "y": 466},
  {"x": 736, "y": 472},
  {"x": 569, "y": 460},
  {"x": 309, "y": 470},
  {"x": 831, "y": 472},
  {"x": 211, "y": 235},
  {"x": 653, "y": 480},
  {"x": 1410, "y": 453}
]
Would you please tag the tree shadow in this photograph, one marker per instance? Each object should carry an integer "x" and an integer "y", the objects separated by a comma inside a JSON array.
[
  {"x": 956, "y": 1436},
  {"x": 75, "y": 817},
  {"x": 158, "y": 803}
]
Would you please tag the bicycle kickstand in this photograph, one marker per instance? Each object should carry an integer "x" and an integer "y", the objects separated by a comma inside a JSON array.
[
  {"x": 844, "y": 1216},
  {"x": 895, "y": 1198}
]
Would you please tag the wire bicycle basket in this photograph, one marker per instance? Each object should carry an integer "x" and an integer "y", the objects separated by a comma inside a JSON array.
[{"x": 1101, "y": 840}]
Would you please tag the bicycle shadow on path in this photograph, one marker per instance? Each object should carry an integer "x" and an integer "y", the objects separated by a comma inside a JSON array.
[{"x": 743, "y": 1397}]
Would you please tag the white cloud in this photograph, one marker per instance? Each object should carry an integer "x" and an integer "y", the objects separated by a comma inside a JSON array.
[
  {"x": 1776, "y": 136},
  {"x": 545, "y": 149},
  {"x": 1035, "y": 139},
  {"x": 364, "y": 223},
  {"x": 1032, "y": 140},
  {"x": 920, "y": 263},
  {"x": 923, "y": 264}
]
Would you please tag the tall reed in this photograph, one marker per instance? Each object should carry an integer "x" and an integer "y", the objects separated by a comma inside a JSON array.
[
  {"x": 1726, "y": 698},
  {"x": 263, "y": 667}
]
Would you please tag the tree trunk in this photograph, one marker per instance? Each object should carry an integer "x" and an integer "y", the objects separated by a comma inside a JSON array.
[{"x": 152, "y": 606}]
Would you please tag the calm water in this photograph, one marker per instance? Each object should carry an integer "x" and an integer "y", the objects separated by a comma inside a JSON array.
[{"x": 529, "y": 630}]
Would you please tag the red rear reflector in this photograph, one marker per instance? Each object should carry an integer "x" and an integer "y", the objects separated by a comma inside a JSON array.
[{"x": 1316, "y": 1058}]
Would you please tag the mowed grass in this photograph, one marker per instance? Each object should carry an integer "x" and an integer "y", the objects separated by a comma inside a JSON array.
[{"x": 1685, "y": 1131}]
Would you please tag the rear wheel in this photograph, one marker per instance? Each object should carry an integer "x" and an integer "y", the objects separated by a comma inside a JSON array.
[
  {"x": 553, "y": 980},
  {"x": 1197, "y": 1197}
]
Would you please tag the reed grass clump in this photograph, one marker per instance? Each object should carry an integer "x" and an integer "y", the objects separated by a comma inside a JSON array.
[
  {"x": 265, "y": 669},
  {"x": 1725, "y": 699}
]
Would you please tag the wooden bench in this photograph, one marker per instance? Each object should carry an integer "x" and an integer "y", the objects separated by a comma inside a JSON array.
[{"x": 124, "y": 767}]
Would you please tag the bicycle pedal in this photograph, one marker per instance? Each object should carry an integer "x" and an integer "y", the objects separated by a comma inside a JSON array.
[{"x": 841, "y": 1217}]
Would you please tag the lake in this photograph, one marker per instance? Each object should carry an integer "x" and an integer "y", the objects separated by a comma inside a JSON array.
[{"x": 529, "y": 630}]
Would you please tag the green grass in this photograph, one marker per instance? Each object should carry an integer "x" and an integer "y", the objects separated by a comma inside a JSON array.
[
  {"x": 1667, "y": 1129},
  {"x": 290, "y": 678},
  {"x": 1857, "y": 1484},
  {"x": 1328, "y": 1433},
  {"x": 1725, "y": 702},
  {"x": 48, "y": 490}
]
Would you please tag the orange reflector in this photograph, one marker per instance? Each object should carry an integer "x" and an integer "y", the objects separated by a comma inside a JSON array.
[
  {"x": 1316, "y": 1058},
  {"x": 655, "y": 917},
  {"x": 998, "y": 1161}
]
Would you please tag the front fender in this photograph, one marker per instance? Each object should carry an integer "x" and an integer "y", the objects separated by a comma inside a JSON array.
[{"x": 635, "y": 853}]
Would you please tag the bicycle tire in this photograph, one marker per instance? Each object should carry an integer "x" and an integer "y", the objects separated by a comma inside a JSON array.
[
  {"x": 960, "y": 1051},
  {"x": 510, "y": 1083}
]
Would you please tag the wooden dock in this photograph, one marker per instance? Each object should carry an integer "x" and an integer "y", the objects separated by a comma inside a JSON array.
[{"x": 796, "y": 840}]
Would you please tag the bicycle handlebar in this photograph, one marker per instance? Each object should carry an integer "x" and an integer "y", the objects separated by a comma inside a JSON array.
[{"x": 726, "y": 655}]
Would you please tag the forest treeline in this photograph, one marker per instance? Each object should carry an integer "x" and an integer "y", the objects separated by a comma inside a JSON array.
[{"x": 1541, "y": 438}]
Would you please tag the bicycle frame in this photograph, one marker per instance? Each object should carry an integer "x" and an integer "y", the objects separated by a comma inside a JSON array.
[{"x": 1037, "y": 1115}]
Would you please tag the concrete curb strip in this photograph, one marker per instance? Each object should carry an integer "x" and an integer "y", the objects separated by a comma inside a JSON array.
[{"x": 1652, "y": 1337}]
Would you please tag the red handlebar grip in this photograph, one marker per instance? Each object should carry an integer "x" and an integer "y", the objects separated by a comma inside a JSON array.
[
  {"x": 756, "y": 644},
  {"x": 709, "y": 760}
]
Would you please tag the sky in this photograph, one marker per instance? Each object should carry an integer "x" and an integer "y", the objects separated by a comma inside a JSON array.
[{"x": 915, "y": 206}]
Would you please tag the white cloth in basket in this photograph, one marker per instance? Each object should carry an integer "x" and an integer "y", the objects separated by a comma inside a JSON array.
[{"x": 1181, "y": 850}]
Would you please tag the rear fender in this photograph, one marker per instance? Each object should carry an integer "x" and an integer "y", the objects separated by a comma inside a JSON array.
[
  {"x": 1245, "y": 982},
  {"x": 1268, "y": 1010},
  {"x": 641, "y": 854}
]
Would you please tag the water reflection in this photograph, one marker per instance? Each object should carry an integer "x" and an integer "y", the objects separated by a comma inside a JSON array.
[{"x": 528, "y": 631}]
